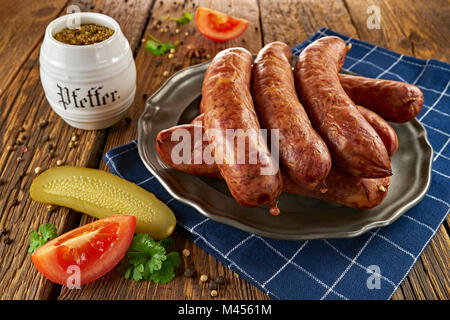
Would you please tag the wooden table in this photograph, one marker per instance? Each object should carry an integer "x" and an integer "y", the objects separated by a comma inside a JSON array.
[{"x": 416, "y": 28}]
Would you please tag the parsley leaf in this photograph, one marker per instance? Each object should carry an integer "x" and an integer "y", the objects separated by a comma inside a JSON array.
[
  {"x": 146, "y": 259},
  {"x": 157, "y": 47},
  {"x": 46, "y": 233},
  {"x": 185, "y": 19}
]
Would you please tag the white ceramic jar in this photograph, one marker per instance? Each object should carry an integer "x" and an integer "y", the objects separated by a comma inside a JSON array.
[{"x": 90, "y": 86}]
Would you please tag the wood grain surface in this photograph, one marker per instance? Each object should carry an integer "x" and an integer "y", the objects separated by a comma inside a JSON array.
[{"x": 416, "y": 28}]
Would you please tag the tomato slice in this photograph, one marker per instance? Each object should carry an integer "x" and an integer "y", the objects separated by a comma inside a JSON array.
[
  {"x": 218, "y": 26},
  {"x": 94, "y": 248}
]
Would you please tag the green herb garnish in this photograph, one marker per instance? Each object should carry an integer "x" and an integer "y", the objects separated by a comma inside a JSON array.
[
  {"x": 185, "y": 19},
  {"x": 147, "y": 259},
  {"x": 46, "y": 233},
  {"x": 158, "y": 47}
]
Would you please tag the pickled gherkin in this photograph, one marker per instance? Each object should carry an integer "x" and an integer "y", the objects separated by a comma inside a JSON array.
[{"x": 101, "y": 194}]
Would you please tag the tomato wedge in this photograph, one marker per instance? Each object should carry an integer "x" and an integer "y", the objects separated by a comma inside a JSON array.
[
  {"x": 94, "y": 248},
  {"x": 218, "y": 26}
]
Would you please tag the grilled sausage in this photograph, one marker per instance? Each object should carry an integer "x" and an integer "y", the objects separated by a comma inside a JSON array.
[
  {"x": 353, "y": 143},
  {"x": 165, "y": 146},
  {"x": 384, "y": 129},
  {"x": 393, "y": 100},
  {"x": 304, "y": 156},
  {"x": 227, "y": 104},
  {"x": 345, "y": 189},
  {"x": 342, "y": 188}
]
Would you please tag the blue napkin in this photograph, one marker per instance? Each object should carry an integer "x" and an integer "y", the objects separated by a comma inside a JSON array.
[{"x": 370, "y": 266}]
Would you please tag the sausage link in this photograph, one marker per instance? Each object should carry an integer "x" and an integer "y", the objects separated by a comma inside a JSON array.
[
  {"x": 393, "y": 100},
  {"x": 304, "y": 156},
  {"x": 354, "y": 144},
  {"x": 345, "y": 189},
  {"x": 227, "y": 104},
  {"x": 342, "y": 188},
  {"x": 384, "y": 129}
]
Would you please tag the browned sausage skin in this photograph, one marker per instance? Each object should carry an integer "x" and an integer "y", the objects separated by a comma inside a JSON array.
[
  {"x": 227, "y": 104},
  {"x": 393, "y": 100},
  {"x": 384, "y": 129},
  {"x": 343, "y": 188},
  {"x": 304, "y": 156},
  {"x": 165, "y": 145},
  {"x": 353, "y": 143}
]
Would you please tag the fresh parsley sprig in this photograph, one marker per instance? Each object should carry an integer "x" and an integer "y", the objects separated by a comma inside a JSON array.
[
  {"x": 147, "y": 259},
  {"x": 46, "y": 233},
  {"x": 157, "y": 47},
  {"x": 185, "y": 19}
]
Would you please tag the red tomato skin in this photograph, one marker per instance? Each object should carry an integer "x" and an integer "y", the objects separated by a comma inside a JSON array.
[
  {"x": 47, "y": 258},
  {"x": 201, "y": 21}
]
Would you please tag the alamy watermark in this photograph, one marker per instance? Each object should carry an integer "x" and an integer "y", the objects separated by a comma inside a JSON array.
[
  {"x": 374, "y": 19},
  {"x": 232, "y": 146},
  {"x": 374, "y": 280}
]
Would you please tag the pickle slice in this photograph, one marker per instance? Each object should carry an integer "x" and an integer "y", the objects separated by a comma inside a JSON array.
[{"x": 101, "y": 194}]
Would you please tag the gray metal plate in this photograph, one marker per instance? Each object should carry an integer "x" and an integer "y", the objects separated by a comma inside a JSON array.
[{"x": 177, "y": 102}]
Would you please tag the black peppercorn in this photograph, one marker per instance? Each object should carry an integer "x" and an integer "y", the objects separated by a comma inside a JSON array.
[
  {"x": 220, "y": 280},
  {"x": 189, "y": 273},
  {"x": 212, "y": 285},
  {"x": 7, "y": 240}
]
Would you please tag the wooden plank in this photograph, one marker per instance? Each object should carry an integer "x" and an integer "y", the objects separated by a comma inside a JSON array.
[
  {"x": 21, "y": 33},
  {"x": 23, "y": 106},
  {"x": 150, "y": 78},
  {"x": 417, "y": 28},
  {"x": 293, "y": 21}
]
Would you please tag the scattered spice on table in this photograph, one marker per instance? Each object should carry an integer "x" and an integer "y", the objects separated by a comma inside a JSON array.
[
  {"x": 127, "y": 120},
  {"x": 59, "y": 162},
  {"x": 220, "y": 280},
  {"x": 7, "y": 240},
  {"x": 43, "y": 123},
  {"x": 203, "y": 278},
  {"x": 213, "y": 293},
  {"x": 85, "y": 35},
  {"x": 51, "y": 208},
  {"x": 186, "y": 252},
  {"x": 37, "y": 170},
  {"x": 188, "y": 273},
  {"x": 212, "y": 285}
]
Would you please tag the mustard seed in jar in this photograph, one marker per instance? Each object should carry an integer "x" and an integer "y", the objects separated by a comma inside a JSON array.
[{"x": 86, "y": 34}]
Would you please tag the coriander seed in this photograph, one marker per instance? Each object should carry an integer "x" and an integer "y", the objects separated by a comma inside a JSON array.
[
  {"x": 59, "y": 162},
  {"x": 170, "y": 56},
  {"x": 165, "y": 73},
  {"x": 172, "y": 50},
  {"x": 213, "y": 293},
  {"x": 74, "y": 138},
  {"x": 203, "y": 278},
  {"x": 51, "y": 208},
  {"x": 37, "y": 170},
  {"x": 186, "y": 252}
]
